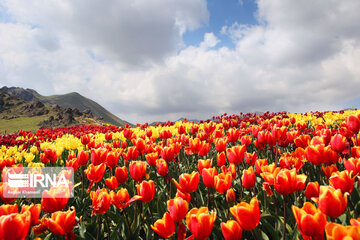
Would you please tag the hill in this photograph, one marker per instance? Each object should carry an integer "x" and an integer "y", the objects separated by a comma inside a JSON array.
[
  {"x": 70, "y": 100},
  {"x": 17, "y": 113}
]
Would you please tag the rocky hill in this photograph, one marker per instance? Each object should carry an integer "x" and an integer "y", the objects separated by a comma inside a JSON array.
[
  {"x": 17, "y": 113},
  {"x": 71, "y": 100}
]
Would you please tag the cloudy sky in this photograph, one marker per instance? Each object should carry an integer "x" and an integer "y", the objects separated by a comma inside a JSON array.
[{"x": 147, "y": 60}]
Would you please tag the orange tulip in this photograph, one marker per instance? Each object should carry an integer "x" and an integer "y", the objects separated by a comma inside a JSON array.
[
  {"x": 235, "y": 154},
  {"x": 188, "y": 182},
  {"x": 111, "y": 183},
  {"x": 248, "y": 178},
  {"x": 355, "y": 222},
  {"x": 146, "y": 189},
  {"x": 121, "y": 199},
  {"x": 35, "y": 211},
  {"x": 55, "y": 199},
  {"x": 231, "y": 230},
  {"x": 15, "y": 226},
  {"x": 310, "y": 221},
  {"x": 62, "y": 223},
  {"x": 7, "y": 209},
  {"x": 101, "y": 201},
  {"x": 208, "y": 175},
  {"x": 178, "y": 208},
  {"x": 288, "y": 181},
  {"x": 336, "y": 231},
  {"x": 165, "y": 227},
  {"x": 312, "y": 190},
  {"x": 247, "y": 215},
  {"x": 332, "y": 202},
  {"x": 223, "y": 182},
  {"x": 343, "y": 181},
  {"x": 232, "y": 135},
  {"x": 139, "y": 144},
  {"x": 302, "y": 141},
  {"x": 200, "y": 222},
  {"x": 315, "y": 153},
  {"x": 121, "y": 174}
]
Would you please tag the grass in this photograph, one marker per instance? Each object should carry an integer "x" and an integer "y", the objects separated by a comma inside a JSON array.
[{"x": 24, "y": 123}]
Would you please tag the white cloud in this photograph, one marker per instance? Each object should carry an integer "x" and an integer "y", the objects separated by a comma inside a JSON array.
[{"x": 129, "y": 56}]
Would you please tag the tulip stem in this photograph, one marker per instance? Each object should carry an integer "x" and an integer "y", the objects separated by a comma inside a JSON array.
[
  {"x": 99, "y": 227},
  {"x": 108, "y": 226},
  {"x": 254, "y": 234},
  {"x": 240, "y": 196},
  {"x": 284, "y": 228},
  {"x": 127, "y": 223},
  {"x": 152, "y": 216}
]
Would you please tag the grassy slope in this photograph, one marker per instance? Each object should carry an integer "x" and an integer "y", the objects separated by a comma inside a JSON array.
[
  {"x": 24, "y": 123},
  {"x": 80, "y": 102}
]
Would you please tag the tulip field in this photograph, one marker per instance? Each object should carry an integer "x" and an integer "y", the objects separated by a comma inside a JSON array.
[{"x": 245, "y": 176}]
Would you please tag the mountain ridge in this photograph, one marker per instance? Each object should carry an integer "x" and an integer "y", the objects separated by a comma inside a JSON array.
[{"x": 68, "y": 100}]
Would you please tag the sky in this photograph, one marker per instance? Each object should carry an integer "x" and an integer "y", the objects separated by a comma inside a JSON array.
[{"x": 158, "y": 60}]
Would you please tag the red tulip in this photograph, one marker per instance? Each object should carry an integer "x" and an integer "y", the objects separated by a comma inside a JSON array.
[
  {"x": 15, "y": 226},
  {"x": 62, "y": 223},
  {"x": 101, "y": 201},
  {"x": 137, "y": 170},
  {"x": 312, "y": 190},
  {"x": 55, "y": 199},
  {"x": 35, "y": 211},
  {"x": 200, "y": 222},
  {"x": 168, "y": 154},
  {"x": 121, "y": 199},
  {"x": 332, "y": 202},
  {"x": 151, "y": 158},
  {"x": 208, "y": 175},
  {"x": 338, "y": 143},
  {"x": 82, "y": 158},
  {"x": 223, "y": 182},
  {"x": 165, "y": 227},
  {"x": 336, "y": 231},
  {"x": 121, "y": 174},
  {"x": 310, "y": 221},
  {"x": 162, "y": 167},
  {"x": 221, "y": 159},
  {"x": 207, "y": 163},
  {"x": 343, "y": 181},
  {"x": 288, "y": 181},
  {"x": 329, "y": 170},
  {"x": 250, "y": 158},
  {"x": 111, "y": 183},
  {"x": 188, "y": 182},
  {"x": 177, "y": 208},
  {"x": 7, "y": 209},
  {"x": 146, "y": 189},
  {"x": 353, "y": 123},
  {"x": 352, "y": 165},
  {"x": 248, "y": 178},
  {"x": 112, "y": 159},
  {"x": 235, "y": 154},
  {"x": 247, "y": 215},
  {"x": 98, "y": 156},
  {"x": 230, "y": 195},
  {"x": 231, "y": 230},
  {"x": 220, "y": 145}
]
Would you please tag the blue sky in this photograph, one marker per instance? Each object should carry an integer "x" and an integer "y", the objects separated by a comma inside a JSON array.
[
  {"x": 156, "y": 60},
  {"x": 223, "y": 13}
]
